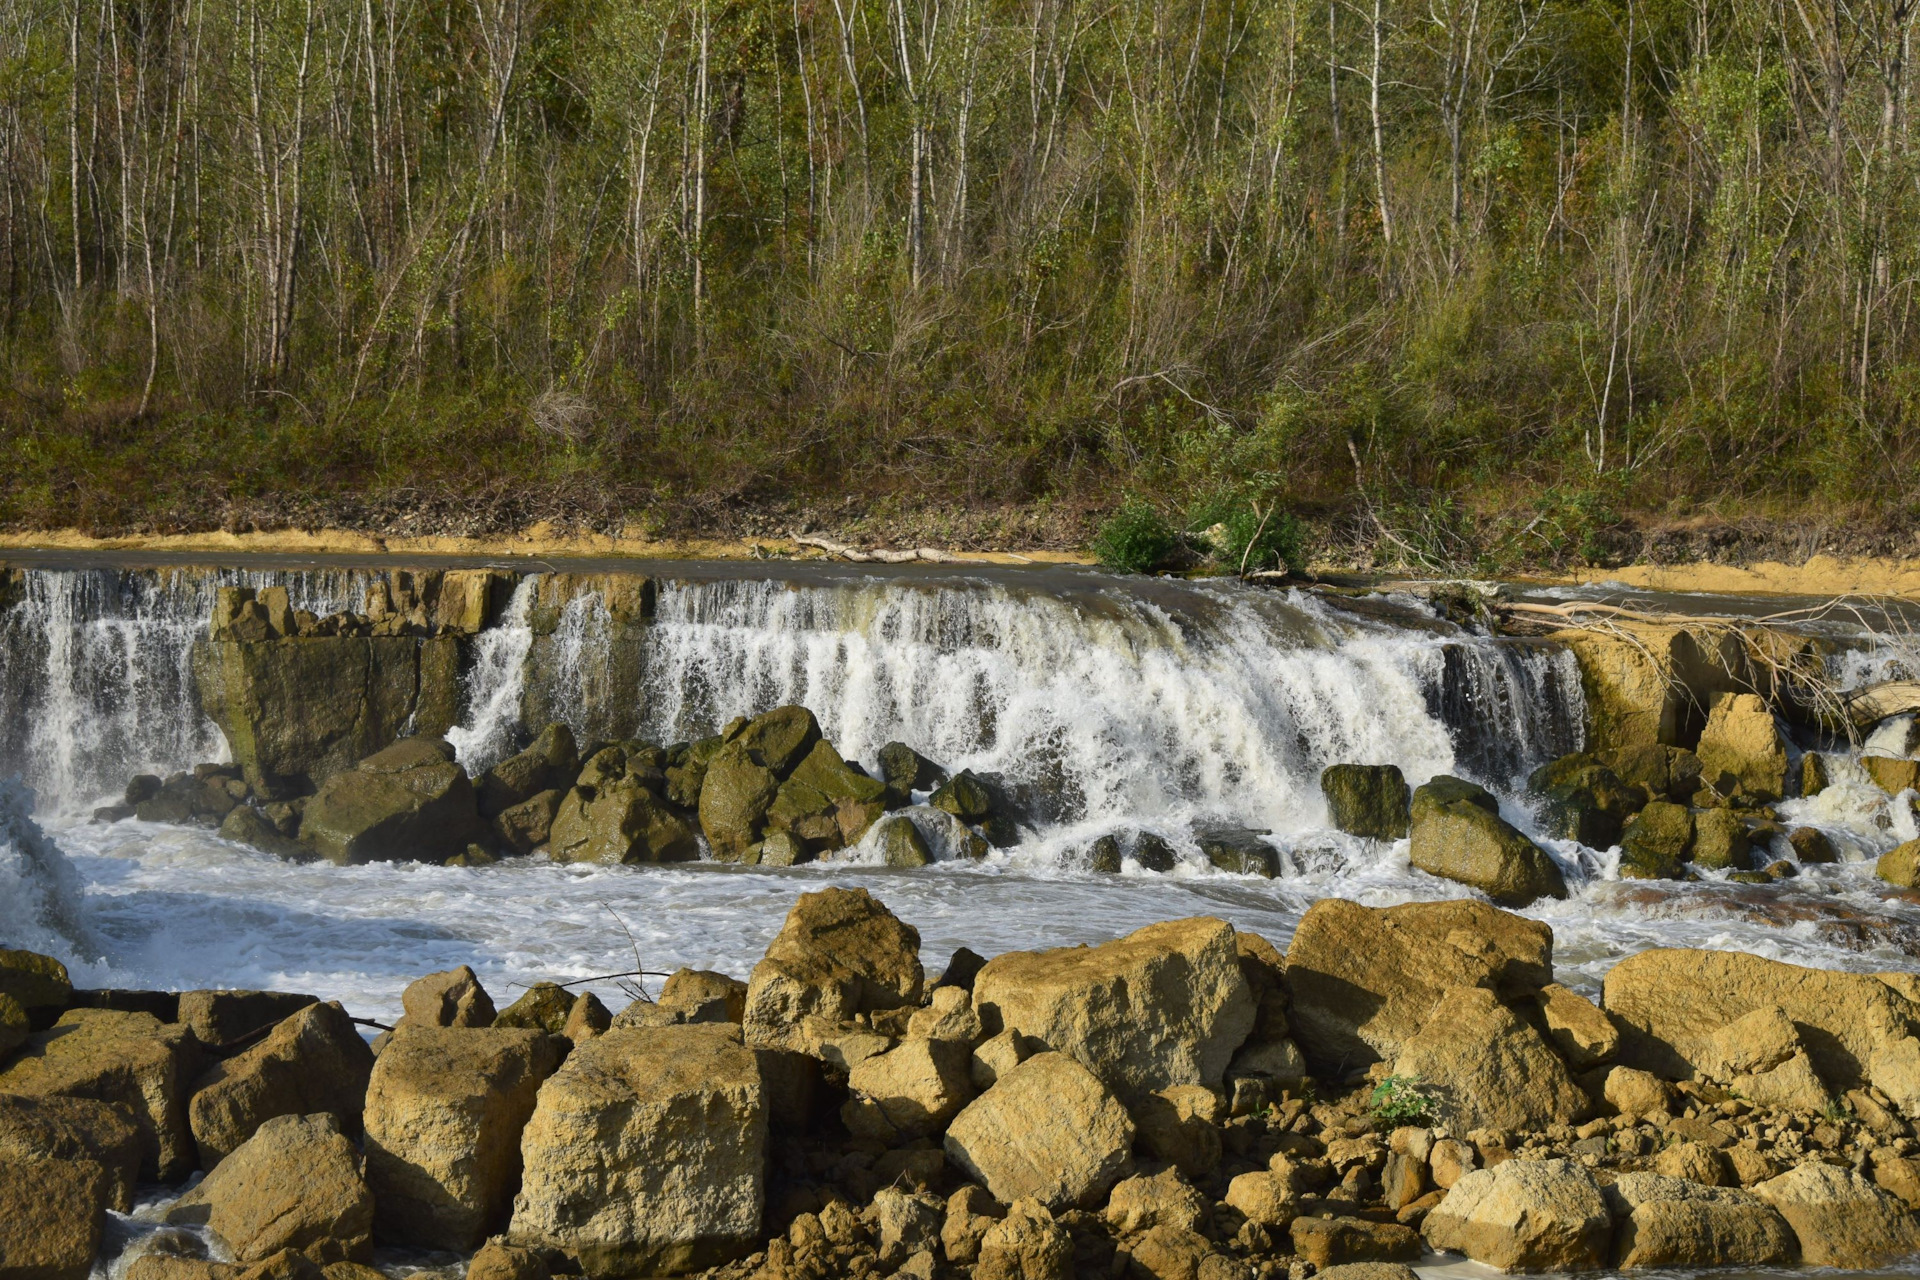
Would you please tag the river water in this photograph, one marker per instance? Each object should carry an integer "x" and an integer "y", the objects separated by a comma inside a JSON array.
[{"x": 1116, "y": 705}]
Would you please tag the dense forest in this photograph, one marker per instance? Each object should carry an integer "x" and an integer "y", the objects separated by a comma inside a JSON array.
[{"x": 1549, "y": 262}]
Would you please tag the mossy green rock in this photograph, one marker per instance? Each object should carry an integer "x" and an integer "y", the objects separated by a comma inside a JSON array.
[
  {"x": 1465, "y": 840},
  {"x": 544, "y": 1007},
  {"x": 964, "y": 796},
  {"x": 409, "y": 801},
  {"x": 14, "y": 1027},
  {"x": 734, "y": 800},
  {"x": 622, "y": 822},
  {"x": 1368, "y": 800},
  {"x": 905, "y": 769},
  {"x": 1240, "y": 853},
  {"x": 1584, "y": 800},
  {"x": 1444, "y": 789},
  {"x": 833, "y": 777},
  {"x": 902, "y": 845},
  {"x": 550, "y": 763},
  {"x": 1815, "y": 776},
  {"x": 780, "y": 739},
  {"x": 1656, "y": 842},
  {"x": 1720, "y": 841}
]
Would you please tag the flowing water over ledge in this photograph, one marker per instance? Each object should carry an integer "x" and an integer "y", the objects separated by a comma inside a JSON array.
[{"x": 1111, "y": 704}]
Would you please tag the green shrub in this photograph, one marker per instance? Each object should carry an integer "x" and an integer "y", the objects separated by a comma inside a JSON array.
[
  {"x": 1256, "y": 535},
  {"x": 1134, "y": 538},
  {"x": 1399, "y": 1100}
]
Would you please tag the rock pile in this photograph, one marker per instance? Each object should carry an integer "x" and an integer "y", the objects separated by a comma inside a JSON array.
[
  {"x": 1184, "y": 1102},
  {"x": 769, "y": 790}
]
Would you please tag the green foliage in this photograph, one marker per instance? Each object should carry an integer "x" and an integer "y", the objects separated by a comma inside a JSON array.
[
  {"x": 1248, "y": 534},
  {"x": 1135, "y": 538},
  {"x": 1400, "y": 1100}
]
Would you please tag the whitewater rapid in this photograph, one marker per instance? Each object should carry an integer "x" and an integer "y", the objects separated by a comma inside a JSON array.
[{"x": 1111, "y": 706}]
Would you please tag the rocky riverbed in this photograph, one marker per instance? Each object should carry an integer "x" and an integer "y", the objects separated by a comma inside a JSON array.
[{"x": 1187, "y": 1101}]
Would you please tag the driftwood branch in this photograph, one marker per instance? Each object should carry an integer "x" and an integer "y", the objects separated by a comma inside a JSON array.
[{"x": 931, "y": 555}]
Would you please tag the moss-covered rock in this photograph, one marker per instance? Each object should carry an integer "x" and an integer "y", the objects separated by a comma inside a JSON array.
[
  {"x": 1582, "y": 799},
  {"x": 410, "y": 801},
  {"x": 1240, "y": 852},
  {"x": 902, "y": 845},
  {"x": 734, "y": 800},
  {"x": 1368, "y": 800},
  {"x": 550, "y": 763},
  {"x": 1720, "y": 841},
  {"x": 779, "y": 739},
  {"x": 1656, "y": 843},
  {"x": 964, "y": 796},
  {"x": 544, "y": 1007},
  {"x": 620, "y": 822},
  {"x": 1458, "y": 834}
]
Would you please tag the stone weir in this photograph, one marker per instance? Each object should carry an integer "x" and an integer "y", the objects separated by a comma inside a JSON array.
[
  {"x": 1183, "y": 1103},
  {"x": 300, "y": 698}
]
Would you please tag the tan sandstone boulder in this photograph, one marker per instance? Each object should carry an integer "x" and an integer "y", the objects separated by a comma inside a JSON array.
[
  {"x": 910, "y": 1091},
  {"x": 295, "y": 1184},
  {"x": 1047, "y": 1130},
  {"x": 1671, "y": 1222},
  {"x": 1584, "y": 1034},
  {"x": 52, "y": 1214},
  {"x": 1166, "y": 1005},
  {"x": 1487, "y": 1069},
  {"x": 221, "y": 1020},
  {"x": 445, "y": 1110},
  {"x": 1762, "y": 1057},
  {"x": 453, "y": 998},
  {"x": 1365, "y": 979},
  {"x": 1027, "y": 1244},
  {"x": 1742, "y": 745},
  {"x": 839, "y": 953},
  {"x": 1669, "y": 1003},
  {"x": 1840, "y": 1218},
  {"x": 647, "y": 1152},
  {"x": 1166, "y": 1199},
  {"x": 73, "y": 1129},
  {"x": 1525, "y": 1215},
  {"x": 314, "y": 1061},
  {"x": 131, "y": 1060}
]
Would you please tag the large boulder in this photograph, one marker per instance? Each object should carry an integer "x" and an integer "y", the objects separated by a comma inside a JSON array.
[
  {"x": 647, "y": 1153},
  {"x": 1671, "y": 1222},
  {"x": 1487, "y": 1069},
  {"x": 1027, "y": 1244},
  {"x": 1669, "y": 1002},
  {"x": 296, "y": 711},
  {"x": 313, "y": 1062},
  {"x": 1463, "y": 838},
  {"x": 1763, "y": 1058},
  {"x": 840, "y": 953},
  {"x": 131, "y": 1060},
  {"x": 825, "y": 803},
  {"x": 550, "y": 763},
  {"x": 73, "y": 1129},
  {"x": 1741, "y": 748},
  {"x": 1524, "y": 1215},
  {"x": 295, "y": 1184},
  {"x": 1165, "y": 1005},
  {"x": 1645, "y": 682},
  {"x": 1366, "y": 799},
  {"x": 734, "y": 800},
  {"x": 1048, "y": 1129},
  {"x": 409, "y": 801},
  {"x": 445, "y": 1110},
  {"x": 1365, "y": 979},
  {"x": 621, "y": 822},
  {"x": 52, "y": 1216},
  {"x": 1584, "y": 1035},
  {"x": 1840, "y": 1218}
]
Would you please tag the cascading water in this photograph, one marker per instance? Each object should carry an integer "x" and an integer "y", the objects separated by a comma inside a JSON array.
[
  {"x": 96, "y": 672},
  {"x": 1105, "y": 705},
  {"x": 1206, "y": 704},
  {"x": 487, "y": 732}
]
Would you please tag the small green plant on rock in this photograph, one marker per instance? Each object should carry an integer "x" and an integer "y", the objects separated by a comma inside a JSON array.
[
  {"x": 1134, "y": 538},
  {"x": 1400, "y": 1100}
]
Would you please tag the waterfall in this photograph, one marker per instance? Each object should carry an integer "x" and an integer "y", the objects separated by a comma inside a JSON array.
[
  {"x": 96, "y": 673},
  {"x": 40, "y": 888},
  {"x": 490, "y": 728},
  {"x": 1164, "y": 706}
]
